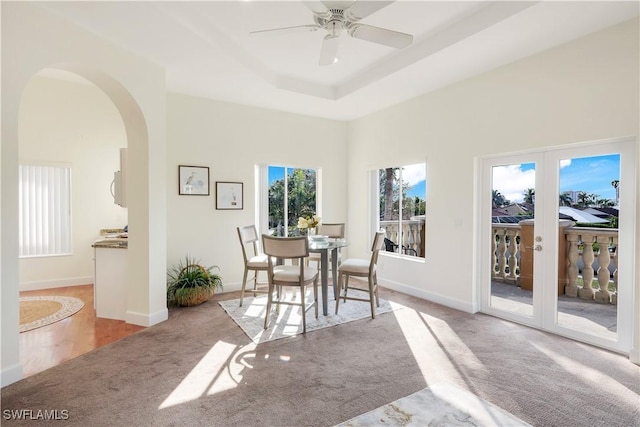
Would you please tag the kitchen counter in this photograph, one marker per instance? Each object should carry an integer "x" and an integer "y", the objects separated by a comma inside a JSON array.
[
  {"x": 110, "y": 277},
  {"x": 115, "y": 242}
]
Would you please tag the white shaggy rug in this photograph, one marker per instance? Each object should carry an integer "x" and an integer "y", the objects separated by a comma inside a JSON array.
[
  {"x": 250, "y": 317},
  {"x": 441, "y": 404}
]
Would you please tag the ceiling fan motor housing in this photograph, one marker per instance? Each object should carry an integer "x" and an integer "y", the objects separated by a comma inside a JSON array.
[{"x": 333, "y": 21}]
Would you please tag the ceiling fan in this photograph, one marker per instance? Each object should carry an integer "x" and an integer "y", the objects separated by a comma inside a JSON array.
[{"x": 338, "y": 16}]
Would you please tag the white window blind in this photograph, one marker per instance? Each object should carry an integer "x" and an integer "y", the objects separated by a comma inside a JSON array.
[{"x": 45, "y": 210}]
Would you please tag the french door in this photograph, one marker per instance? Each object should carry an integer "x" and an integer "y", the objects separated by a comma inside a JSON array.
[{"x": 550, "y": 259}]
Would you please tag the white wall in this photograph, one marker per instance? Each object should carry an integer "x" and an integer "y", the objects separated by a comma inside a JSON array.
[
  {"x": 582, "y": 91},
  {"x": 77, "y": 124},
  {"x": 231, "y": 139},
  {"x": 33, "y": 40}
]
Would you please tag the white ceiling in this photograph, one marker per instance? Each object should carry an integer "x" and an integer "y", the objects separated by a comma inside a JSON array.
[{"x": 207, "y": 51}]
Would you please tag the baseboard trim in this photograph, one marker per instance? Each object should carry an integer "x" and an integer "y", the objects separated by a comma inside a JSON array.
[
  {"x": 634, "y": 355},
  {"x": 56, "y": 283},
  {"x": 11, "y": 375},
  {"x": 467, "y": 307},
  {"x": 147, "y": 320}
]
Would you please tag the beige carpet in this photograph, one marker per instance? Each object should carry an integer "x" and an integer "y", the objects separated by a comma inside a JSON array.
[
  {"x": 199, "y": 368},
  {"x": 36, "y": 312}
]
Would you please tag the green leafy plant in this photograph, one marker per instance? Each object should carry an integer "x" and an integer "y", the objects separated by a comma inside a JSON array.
[{"x": 189, "y": 283}]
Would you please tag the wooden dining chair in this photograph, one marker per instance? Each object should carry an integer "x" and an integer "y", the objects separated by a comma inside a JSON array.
[
  {"x": 254, "y": 260},
  {"x": 279, "y": 250},
  {"x": 361, "y": 268}
]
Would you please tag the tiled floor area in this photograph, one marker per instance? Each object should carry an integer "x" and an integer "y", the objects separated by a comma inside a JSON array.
[{"x": 577, "y": 313}]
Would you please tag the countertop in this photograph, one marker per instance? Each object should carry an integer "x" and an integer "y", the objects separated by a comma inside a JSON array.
[{"x": 112, "y": 242}]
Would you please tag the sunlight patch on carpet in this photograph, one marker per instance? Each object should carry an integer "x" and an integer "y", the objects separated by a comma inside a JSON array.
[
  {"x": 36, "y": 312},
  {"x": 441, "y": 404},
  {"x": 250, "y": 317}
]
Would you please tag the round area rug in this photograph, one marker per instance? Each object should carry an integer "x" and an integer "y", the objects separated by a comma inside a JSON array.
[{"x": 36, "y": 312}]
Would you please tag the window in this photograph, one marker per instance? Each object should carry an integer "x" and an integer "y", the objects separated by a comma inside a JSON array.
[
  {"x": 401, "y": 195},
  {"x": 291, "y": 193},
  {"x": 45, "y": 210}
]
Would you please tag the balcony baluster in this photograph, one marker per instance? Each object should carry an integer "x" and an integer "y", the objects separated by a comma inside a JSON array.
[
  {"x": 603, "y": 294},
  {"x": 587, "y": 291}
]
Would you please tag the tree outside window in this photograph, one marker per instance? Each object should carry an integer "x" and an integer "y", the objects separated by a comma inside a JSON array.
[
  {"x": 286, "y": 206},
  {"x": 402, "y": 202}
]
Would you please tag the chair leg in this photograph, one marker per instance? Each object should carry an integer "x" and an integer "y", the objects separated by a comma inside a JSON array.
[
  {"x": 373, "y": 310},
  {"x": 375, "y": 288},
  {"x": 255, "y": 282},
  {"x": 304, "y": 311},
  {"x": 315, "y": 295},
  {"x": 346, "y": 288},
  {"x": 244, "y": 284},
  {"x": 340, "y": 277},
  {"x": 268, "y": 312}
]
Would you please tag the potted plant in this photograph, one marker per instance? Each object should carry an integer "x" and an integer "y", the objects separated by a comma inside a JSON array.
[{"x": 189, "y": 283}]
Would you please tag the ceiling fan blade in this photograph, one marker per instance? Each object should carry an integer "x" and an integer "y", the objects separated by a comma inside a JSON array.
[
  {"x": 381, "y": 35},
  {"x": 317, "y": 7},
  {"x": 362, "y": 9},
  {"x": 329, "y": 51},
  {"x": 287, "y": 30}
]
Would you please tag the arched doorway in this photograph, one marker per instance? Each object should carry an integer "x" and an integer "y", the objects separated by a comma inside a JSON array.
[
  {"x": 145, "y": 299},
  {"x": 68, "y": 123}
]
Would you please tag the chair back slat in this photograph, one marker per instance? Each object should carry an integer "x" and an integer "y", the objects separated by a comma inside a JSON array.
[
  {"x": 334, "y": 231},
  {"x": 248, "y": 236},
  {"x": 285, "y": 247}
]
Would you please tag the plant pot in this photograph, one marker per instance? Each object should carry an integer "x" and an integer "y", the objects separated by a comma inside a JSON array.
[{"x": 189, "y": 297}]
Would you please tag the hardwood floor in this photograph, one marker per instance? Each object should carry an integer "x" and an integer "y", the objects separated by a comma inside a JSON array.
[{"x": 51, "y": 345}]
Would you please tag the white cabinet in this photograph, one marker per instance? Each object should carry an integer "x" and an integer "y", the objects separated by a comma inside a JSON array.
[{"x": 110, "y": 293}]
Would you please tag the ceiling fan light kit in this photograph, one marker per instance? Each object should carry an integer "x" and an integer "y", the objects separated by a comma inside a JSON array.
[{"x": 340, "y": 16}]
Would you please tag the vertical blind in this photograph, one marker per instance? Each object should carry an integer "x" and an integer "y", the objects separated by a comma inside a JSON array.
[{"x": 45, "y": 210}]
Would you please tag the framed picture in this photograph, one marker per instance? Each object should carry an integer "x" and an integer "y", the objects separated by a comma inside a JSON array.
[
  {"x": 193, "y": 180},
  {"x": 229, "y": 195}
]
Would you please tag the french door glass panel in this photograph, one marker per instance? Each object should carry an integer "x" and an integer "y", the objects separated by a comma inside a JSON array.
[
  {"x": 512, "y": 203},
  {"x": 588, "y": 188},
  {"x": 577, "y": 255}
]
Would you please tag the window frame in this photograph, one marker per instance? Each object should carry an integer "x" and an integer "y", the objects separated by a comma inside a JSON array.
[
  {"x": 262, "y": 194},
  {"x": 376, "y": 203}
]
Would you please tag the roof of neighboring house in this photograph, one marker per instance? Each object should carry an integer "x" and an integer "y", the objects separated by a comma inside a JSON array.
[
  {"x": 510, "y": 219},
  {"x": 580, "y": 215},
  {"x": 603, "y": 212},
  {"x": 518, "y": 209}
]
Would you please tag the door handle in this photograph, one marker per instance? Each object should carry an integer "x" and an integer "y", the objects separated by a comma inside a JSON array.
[{"x": 535, "y": 248}]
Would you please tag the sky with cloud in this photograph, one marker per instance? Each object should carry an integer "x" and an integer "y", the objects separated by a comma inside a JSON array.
[{"x": 589, "y": 174}]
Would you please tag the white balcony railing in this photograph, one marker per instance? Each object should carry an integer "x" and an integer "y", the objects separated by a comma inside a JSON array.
[{"x": 413, "y": 231}]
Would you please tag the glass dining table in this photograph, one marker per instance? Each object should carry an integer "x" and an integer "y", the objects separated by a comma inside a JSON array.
[{"x": 324, "y": 247}]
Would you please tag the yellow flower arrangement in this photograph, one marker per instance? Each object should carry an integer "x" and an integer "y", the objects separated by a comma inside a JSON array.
[{"x": 308, "y": 222}]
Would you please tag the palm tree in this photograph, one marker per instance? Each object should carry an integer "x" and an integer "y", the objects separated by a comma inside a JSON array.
[
  {"x": 615, "y": 184},
  {"x": 529, "y": 196},
  {"x": 604, "y": 203},
  {"x": 498, "y": 200},
  {"x": 565, "y": 199},
  {"x": 388, "y": 192},
  {"x": 586, "y": 199}
]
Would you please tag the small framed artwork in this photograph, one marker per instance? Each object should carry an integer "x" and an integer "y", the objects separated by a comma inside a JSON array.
[
  {"x": 193, "y": 180},
  {"x": 229, "y": 195}
]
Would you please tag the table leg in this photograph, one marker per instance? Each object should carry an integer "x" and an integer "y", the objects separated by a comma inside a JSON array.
[
  {"x": 324, "y": 266},
  {"x": 334, "y": 271}
]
